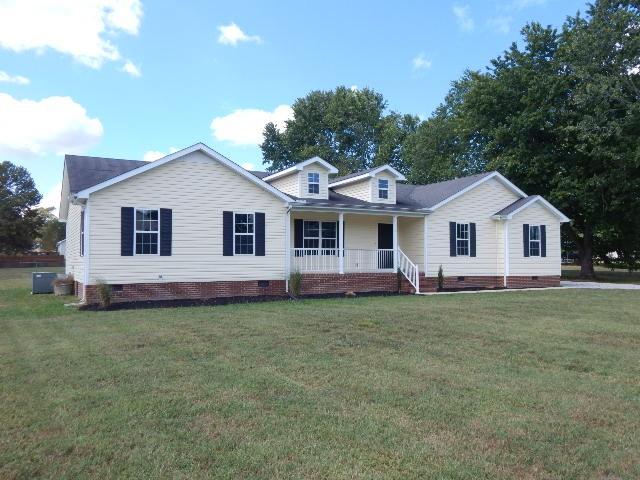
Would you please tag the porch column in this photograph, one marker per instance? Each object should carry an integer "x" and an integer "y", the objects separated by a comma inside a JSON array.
[
  {"x": 506, "y": 252},
  {"x": 287, "y": 247},
  {"x": 395, "y": 243},
  {"x": 340, "y": 242},
  {"x": 425, "y": 245}
]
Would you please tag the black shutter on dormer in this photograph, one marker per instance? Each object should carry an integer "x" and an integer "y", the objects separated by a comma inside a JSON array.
[
  {"x": 525, "y": 239},
  {"x": 543, "y": 240},
  {"x": 259, "y": 234},
  {"x": 166, "y": 227},
  {"x": 227, "y": 234},
  {"x": 472, "y": 239},
  {"x": 452, "y": 239},
  {"x": 126, "y": 231}
]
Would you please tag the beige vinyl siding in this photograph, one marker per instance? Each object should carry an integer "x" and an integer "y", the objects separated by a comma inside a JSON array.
[
  {"x": 392, "y": 188},
  {"x": 477, "y": 206},
  {"x": 535, "y": 214},
  {"x": 411, "y": 239},
  {"x": 324, "y": 181},
  {"x": 360, "y": 190},
  {"x": 74, "y": 263},
  {"x": 198, "y": 189},
  {"x": 289, "y": 184}
]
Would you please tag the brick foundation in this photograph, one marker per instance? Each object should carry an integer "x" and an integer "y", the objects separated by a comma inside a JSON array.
[
  {"x": 533, "y": 282},
  {"x": 430, "y": 284},
  {"x": 323, "y": 283}
]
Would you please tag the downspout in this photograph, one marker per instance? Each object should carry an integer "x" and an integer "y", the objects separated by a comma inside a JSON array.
[
  {"x": 425, "y": 245},
  {"x": 287, "y": 253},
  {"x": 506, "y": 253},
  {"x": 87, "y": 251}
]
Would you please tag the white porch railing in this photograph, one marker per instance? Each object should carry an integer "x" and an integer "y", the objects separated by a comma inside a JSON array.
[
  {"x": 327, "y": 260},
  {"x": 409, "y": 270}
]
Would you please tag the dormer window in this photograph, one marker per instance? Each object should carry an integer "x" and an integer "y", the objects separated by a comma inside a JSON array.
[
  {"x": 383, "y": 188},
  {"x": 313, "y": 182}
]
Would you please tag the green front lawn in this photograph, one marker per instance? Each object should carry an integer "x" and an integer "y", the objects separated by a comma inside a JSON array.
[
  {"x": 603, "y": 274},
  {"x": 504, "y": 385}
]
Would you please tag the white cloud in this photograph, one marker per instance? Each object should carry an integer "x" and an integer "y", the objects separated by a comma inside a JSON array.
[
  {"x": 245, "y": 126},
  {"x": 52, "y": 198},
  {"x": 132, "y": 69},
  {"x": 152, "y": 155},
  {"x": 17, "y": 79},
  {"x": 354, "y": 88},
  {"x": 248, "y": 166},
  {"x": 500, "y": 24},
  {"x": 421, "y": 62},
  {"x": 463, "y": 17},
  {"x": 522, "y": 4},
  {"x": 232, "y": 34},
  {"x": 83, "y": 29},
  {"x": 55, "y": 125}
]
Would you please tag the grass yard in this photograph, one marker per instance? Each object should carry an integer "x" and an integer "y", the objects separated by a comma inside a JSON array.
[
  {"x": 505, "y": 385},
  {"x": 603, "y": 274}
]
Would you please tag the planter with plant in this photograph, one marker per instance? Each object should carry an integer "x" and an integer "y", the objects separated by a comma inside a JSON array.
[{"x": 63, "y": 285}]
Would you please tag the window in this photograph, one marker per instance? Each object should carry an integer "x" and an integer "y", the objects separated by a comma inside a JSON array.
[
  {"x": 243, "y": 229},
  {"x": 462, "y": 239},
  {"x": 383, "y": 188},
  {"x": 82, "y": 233},
  {"x": 534, "y": 240},
  {"x": 320, "y": 235},
  {"x": 313, "y": 180},
  {"x": 146, "y": 232}
]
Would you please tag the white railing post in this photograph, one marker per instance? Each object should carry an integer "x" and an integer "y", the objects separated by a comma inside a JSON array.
[
  {"x": 340, "y": 243},
  {"x": 395, "y": 243}
]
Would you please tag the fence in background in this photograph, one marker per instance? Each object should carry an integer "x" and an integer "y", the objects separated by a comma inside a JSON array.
[{"x": 31, "y": 261}]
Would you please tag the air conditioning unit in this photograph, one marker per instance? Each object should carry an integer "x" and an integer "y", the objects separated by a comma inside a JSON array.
[{"x": 41, "y": 282}]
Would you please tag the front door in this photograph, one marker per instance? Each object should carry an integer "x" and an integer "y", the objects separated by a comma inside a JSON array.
[{"x": 385, "y": 245}]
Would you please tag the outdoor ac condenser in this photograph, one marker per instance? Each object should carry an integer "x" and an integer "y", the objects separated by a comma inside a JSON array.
[{"x": 41, "y": 282}]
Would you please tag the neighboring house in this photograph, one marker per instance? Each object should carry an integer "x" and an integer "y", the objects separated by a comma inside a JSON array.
[{"x": 196, "y": 225}]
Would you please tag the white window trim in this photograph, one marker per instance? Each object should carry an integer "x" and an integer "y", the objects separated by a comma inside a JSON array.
[
  {"x": 320, "y": 237},
  {"x": 253, "y": 235},
  {"x": 381, "y": 189},
  {"x": 539, "y": 241},
  {"x": 135, "y": 232},
  {"x": 309, "y": 183},
  {"x": 468, "y": 240}
]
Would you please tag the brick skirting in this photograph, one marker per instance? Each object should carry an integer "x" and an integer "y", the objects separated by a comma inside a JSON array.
[
  {"x": 430, "y": 284},
  {"x": 323, "y": 283},
  {"x": 533, "y": 282}
]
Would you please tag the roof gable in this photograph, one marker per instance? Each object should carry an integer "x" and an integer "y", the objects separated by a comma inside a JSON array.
[
  {"x": 365, "y": 174},
  {"x": 510, "y": 211},
  {"x": 181, "y": 153},
  {"x": 300, "y": 166}
]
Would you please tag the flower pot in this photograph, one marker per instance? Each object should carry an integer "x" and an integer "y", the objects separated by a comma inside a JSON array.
[{"x": 62, "y": 288}]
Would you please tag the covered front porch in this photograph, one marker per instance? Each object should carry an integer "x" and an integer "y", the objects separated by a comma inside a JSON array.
[{"x": 347, "y": 242}]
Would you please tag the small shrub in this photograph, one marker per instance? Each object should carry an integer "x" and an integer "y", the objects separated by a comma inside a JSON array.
[
  {"x": 295, "y": 283},
  {"x": 104, "y": 294},
  {"x": 63, "y": 280},
  {"x": 440, "y": 278}
]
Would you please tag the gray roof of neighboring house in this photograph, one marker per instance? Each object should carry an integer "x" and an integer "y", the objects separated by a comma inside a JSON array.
[
  {"x": 84, "y": 172},
  {"x": 351, "y": 175},
  {"x": 515, "y": 205},
  {"x": 427, "y": 196}
]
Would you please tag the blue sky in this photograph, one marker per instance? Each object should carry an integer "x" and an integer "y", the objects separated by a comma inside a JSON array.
[{"x": 135, "y": 78}]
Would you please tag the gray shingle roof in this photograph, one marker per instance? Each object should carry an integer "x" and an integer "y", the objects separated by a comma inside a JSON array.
[
  {"x": 84, "y": 172},
  {"x": 260, "y": 175},
  {"x": 515, "y": 205},
  {"x": 427, "y": 196},
  {"x": 339, "y": 200}
]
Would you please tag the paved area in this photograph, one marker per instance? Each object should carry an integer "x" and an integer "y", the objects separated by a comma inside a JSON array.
[{"x": 600, "y": 285}]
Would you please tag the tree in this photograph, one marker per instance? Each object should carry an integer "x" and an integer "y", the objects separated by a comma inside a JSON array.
[
  {"x": 19, "y": 221},
  {"x": 51, "y": 230},
  {"x": 560, "y": 117},
  {"x": 347, "y": 128}
]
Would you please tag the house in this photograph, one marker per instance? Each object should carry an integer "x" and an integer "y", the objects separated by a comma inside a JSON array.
[{"x": 196, "y": 225}]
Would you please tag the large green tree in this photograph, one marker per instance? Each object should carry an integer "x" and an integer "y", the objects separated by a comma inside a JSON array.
[
  {"x": 348, "y": 128},
  {"x": 558, "y": 115},
  {"x": 19, "y": 220}
]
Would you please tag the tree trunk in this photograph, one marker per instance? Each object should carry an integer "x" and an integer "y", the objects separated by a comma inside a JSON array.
[{"x": 585, "y": 250}]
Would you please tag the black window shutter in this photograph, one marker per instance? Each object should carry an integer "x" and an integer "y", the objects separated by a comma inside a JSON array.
[
  {"x": 259, "y": 234},
  {"x": 165, "y": 231},
  {"x": 452, "y": 239},
  {"x": 82, "y": 233},
  {"x": 543, "y": 240},
  {"x": 472, "y": 239},
  {"x": 525, "y": 239},
  {"x": 298, "y": 233},
  {"x": 227, "y": 234},
  {"x": 126, "y": 231}
]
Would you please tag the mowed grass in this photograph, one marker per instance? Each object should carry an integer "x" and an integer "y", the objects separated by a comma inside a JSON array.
[
  {"x": 505, "y": 385},
  {"x": 602, "y": 274}
]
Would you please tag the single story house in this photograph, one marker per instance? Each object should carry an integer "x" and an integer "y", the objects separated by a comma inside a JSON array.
[{"x": 196, "y": 225}]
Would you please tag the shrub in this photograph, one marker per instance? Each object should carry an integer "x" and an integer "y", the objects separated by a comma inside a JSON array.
[
  {"x": 63, "y": 280},
  {"x": 440, "y": 278},
  {"x": 104, "y": 294},
  {"x": 295, "y": 283}
]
